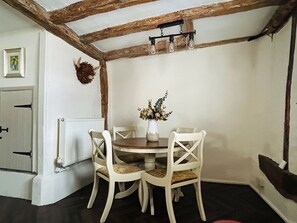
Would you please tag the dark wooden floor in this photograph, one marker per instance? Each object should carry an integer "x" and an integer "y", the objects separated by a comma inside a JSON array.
[{"x": 221, "y": 201}]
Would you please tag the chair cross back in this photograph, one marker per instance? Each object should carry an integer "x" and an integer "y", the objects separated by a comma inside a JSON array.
[
  {"x": 98, "y": 145},
  {"x": 188, "y": 152},
  {"x": 127, "y": 135},
  {"x": 124, "y": 132},
  {"x": 192, "y": 151}
]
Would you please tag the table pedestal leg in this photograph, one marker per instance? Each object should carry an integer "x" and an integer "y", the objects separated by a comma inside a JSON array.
[
  {"x": 149, "y": 164},
  {"x": 149, "y": 161}
]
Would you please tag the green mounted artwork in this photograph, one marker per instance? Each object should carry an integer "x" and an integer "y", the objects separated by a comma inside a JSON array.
[{"x": 14, "y": 62}]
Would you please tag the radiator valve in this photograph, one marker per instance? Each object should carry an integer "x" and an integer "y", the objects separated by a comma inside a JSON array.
[{"x": 59, "y": 161}]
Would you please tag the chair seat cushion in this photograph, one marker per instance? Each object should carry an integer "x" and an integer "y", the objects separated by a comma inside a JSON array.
[
  {"x": 177, "y": 177},
  {"x": 132, "y": 158},
  {"x": 121, "y": 169}
]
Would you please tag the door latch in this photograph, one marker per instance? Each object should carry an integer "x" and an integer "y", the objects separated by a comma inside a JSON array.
[
  {"x": 24, "y": 153},
  {"x": 24, "y": 106},
  {"x": 1, "y": 129}
]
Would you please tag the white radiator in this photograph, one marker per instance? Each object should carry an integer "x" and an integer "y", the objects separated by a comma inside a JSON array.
[{"x": 74, "y": 142}]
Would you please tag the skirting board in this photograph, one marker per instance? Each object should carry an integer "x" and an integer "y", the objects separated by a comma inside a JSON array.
[
  {"x": 224, "y": 181},
  {"x": 16, "y": 184},
  {"x": 270, "y": 204},
  {"x": 54, "y": 187}
]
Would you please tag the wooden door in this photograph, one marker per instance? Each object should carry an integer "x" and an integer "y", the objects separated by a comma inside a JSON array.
[{"x": 16, "y": 130}]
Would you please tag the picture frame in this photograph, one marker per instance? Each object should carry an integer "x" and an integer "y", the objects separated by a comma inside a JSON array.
[{"x": 14, "y": 62}]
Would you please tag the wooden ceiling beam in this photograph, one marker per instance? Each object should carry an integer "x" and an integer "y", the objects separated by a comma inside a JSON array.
[
  {"x": 143, "y": 50},
  {"x": 83, "y": 9},
  {"x": 36, "y": 13},
  {"x": 189, "y": 25},
  {"x": 280, "y": 17},
  {"x": 218, "y": 9}
]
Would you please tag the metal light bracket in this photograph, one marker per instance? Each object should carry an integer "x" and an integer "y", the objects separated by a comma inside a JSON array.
[{"x": 169, "y": 24}]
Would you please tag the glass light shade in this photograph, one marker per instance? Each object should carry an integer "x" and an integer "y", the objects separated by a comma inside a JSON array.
[
  {"x": 153, "y": 49},
  {"x": 191, "y": 44},
  {"x": 171, "y": 46}
]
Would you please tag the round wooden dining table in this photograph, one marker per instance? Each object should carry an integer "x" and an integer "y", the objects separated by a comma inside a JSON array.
[{"x": 141, "y": 145}]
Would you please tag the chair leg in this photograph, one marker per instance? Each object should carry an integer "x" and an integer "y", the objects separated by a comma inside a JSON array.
[
  {"x": 108, "y": 201},
  {"x": 178, "y": 194},
  {"x": 140, "y": 193},
  {"x": 170, "y": 211},
  {"x": 151, "y": 201},
  {"x": 127, "y": 192},
  {"x": 173, "y": 194},
  {"x": 145, "y": 196},
  {"x": 199, "y": 200},
  {"x": 181, "y": 194},
  {"x": 121, "y": 186},
  {"x": 94, "y": 191}
]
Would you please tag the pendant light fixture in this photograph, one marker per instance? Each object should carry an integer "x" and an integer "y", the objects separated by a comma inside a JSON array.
[
  {"x": 153, "y": 49},
  {"x": 171, "y": 45}
]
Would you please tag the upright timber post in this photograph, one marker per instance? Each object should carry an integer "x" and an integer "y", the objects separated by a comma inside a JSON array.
[
  {"x": 104, "y": 92},
  {"x": 288, "y": 93}
]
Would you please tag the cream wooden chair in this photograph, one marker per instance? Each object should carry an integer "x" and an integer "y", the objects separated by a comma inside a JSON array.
[
  {"x": 124, "y": 132},
  {"x": 105, "y": 168},
  {"x": 177, "y": 173},
  {"x": 162, "y": 161}
]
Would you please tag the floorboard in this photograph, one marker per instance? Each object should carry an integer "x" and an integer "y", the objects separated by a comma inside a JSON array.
[{"x": 221, "y": 201}]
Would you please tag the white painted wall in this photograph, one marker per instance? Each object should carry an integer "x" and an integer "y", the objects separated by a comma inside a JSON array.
[
  {"x": 235, "y": 92},
  {"x": 208, "y": 89},
  {"x": 57, "y": 94},
  {"x": 20, "y": 184},
  {"x": 63, "y": 97},
  {"x": 29, "y": 39},
  {"x": 270, "y": 61}
]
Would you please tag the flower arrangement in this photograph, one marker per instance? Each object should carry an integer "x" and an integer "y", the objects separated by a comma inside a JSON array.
[{"x": 157, "y": 112}]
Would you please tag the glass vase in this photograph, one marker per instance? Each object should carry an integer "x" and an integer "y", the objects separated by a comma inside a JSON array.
[{"x": 152, "y": 134}]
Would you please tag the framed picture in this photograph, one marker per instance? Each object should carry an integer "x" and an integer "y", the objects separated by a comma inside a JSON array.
[{"x": 14, "y": 62}]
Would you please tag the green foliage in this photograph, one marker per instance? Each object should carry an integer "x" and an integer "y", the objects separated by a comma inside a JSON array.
[{"x": 157, "y": 111}]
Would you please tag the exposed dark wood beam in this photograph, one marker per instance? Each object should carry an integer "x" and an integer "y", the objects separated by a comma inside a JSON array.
[
  {"x": 104, "y": 93},
  {"x": 286, "y": 141},
  {"x": 189, "y": 25},
  {"x": 35, "y": 12},
  {"x": 219, "y": 9},
  {"x": 280, "y": 17},
  {"x": 142, "y": 50},
  {"x": 83, "y": 9},
  {"x": 222, "y": 42}
]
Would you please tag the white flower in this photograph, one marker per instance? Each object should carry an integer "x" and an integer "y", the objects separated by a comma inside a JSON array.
[{"x": 157, "y": 111}]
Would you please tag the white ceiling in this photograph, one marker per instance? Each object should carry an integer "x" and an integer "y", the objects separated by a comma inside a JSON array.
[
  {"x": 133, "y": 13},
  {"x": 208, "y": 29}
]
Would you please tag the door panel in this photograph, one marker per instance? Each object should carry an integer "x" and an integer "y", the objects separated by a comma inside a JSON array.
[{"x": 16, "y": 144}]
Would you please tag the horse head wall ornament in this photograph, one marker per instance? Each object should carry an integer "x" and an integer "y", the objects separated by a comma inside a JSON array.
[{"x": 85, "y": 72}]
